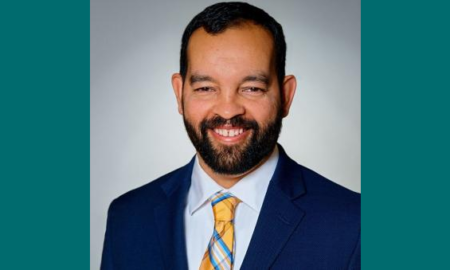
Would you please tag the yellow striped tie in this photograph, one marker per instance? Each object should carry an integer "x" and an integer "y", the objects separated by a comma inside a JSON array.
[{"x": 219, "y": 254}]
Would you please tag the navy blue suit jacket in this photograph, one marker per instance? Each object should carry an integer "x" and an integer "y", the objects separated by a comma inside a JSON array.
[{"x": 306, "y": 222}]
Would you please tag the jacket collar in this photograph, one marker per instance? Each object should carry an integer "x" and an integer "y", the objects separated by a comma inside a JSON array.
[
  {"x": 279, "y": 217},
  {"x": 170, "y": 218},
  {"x": 288, "y": 176}
]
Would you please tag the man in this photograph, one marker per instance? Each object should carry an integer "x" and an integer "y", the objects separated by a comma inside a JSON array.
[{"x": 241, "y": 202}]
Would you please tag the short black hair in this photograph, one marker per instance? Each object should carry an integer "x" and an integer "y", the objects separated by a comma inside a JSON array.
[{"x": 217, "y": 18}]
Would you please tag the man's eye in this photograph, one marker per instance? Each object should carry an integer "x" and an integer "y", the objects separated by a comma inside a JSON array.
[
  {"x": 204, "y": 89},
  {"x": 254, "y": 89}
]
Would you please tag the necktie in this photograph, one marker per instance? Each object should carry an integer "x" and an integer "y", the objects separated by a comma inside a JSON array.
[{"x": 219, "y": 254}]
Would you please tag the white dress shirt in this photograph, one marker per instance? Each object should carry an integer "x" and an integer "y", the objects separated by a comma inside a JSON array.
[{"x": 199, "y": 216}]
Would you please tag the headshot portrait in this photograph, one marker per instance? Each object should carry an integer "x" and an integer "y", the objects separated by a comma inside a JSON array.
[{"x": 225, "y": 135}]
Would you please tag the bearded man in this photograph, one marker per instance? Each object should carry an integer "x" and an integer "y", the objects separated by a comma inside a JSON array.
[{"x": 241, "y": 202}]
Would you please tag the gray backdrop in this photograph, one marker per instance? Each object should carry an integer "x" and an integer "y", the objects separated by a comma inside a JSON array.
[{"x": 137, "y": 134}]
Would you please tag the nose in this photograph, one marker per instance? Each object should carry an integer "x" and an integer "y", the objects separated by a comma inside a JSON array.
[{"x": 229, "y": 105}]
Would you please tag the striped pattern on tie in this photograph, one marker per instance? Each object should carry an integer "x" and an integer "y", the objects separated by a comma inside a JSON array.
[{"x": 219, "y": 254}]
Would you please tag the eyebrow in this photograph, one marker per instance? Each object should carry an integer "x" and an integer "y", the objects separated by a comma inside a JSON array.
[
  {"x": 195, "y": 78},
  {"x": 263, "y": 78}
]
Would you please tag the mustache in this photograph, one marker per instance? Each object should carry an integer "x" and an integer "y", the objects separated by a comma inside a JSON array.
[{"x": 237, "y": 121}]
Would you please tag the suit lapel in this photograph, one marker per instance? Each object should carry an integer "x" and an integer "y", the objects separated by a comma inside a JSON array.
[
  {"x": 279, "y": 216},
  {"x": 169, "y": 218}
]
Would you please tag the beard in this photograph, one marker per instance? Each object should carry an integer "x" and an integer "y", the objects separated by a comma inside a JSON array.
[{"x": 240, "y": 158}]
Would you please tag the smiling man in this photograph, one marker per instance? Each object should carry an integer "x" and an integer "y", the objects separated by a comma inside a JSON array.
[{"x": 241, "y": 203}]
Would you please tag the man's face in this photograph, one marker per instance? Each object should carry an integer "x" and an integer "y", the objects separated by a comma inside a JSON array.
[{"x": 230, "y": 99}]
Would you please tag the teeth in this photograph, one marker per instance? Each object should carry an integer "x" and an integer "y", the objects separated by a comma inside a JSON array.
[{"x": 229, "y": 132}]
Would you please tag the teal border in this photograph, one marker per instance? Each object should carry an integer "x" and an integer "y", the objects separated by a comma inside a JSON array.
[
  {"x": 44, "y": 108},
  {"x": 405, "y": 135}
]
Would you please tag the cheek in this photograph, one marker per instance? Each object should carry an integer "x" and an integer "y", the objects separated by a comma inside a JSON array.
[
  {"x": 195, "y": 110},
  {"x": 263, "y": 111}
]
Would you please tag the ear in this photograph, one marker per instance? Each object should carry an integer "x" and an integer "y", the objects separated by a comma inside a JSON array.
[
  {"x": 288, "y": 92},
  {"x": 177, "y": 85}
]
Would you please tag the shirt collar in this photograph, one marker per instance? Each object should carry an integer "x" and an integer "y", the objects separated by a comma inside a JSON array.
[{"x": 251, "y": 189}]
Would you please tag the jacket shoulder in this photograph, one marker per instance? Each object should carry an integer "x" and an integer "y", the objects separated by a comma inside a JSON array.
[
  {"x": 143, "y": 197},
  {"x": 320, "y": 185},
  {"x": 327, "y": 194}
]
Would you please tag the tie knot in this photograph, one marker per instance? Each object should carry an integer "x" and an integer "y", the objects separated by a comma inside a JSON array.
[{"x": 224, "y": 204}]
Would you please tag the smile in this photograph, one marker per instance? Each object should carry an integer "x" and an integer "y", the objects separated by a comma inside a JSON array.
[
  {"x": 229, "y": 132},
  {"x": 230, "y": 135}
]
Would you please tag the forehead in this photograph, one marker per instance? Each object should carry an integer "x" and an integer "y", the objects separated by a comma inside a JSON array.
[{"x": 244, "y": 48}]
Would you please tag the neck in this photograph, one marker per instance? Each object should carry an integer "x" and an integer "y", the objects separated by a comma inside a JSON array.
[{"x": 226, "y": 180}]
